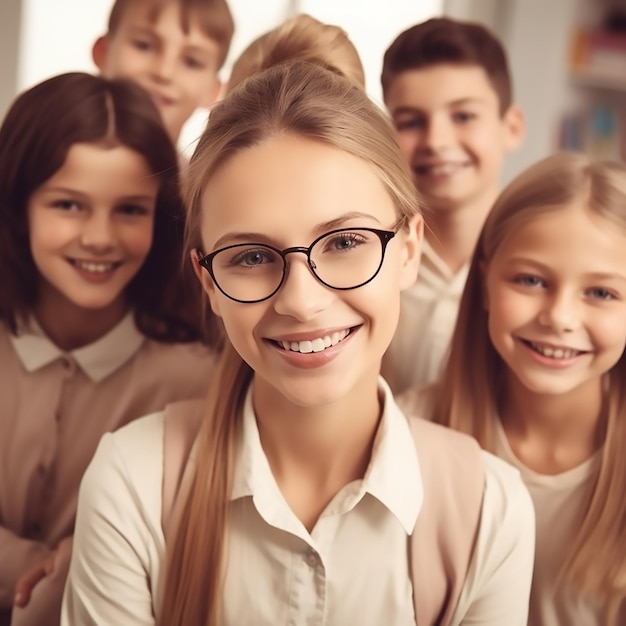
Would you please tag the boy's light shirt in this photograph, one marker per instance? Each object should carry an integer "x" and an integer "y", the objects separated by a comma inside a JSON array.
[
  {"x": 352, "y": 569},
  {"x": 428, "y": 314}
]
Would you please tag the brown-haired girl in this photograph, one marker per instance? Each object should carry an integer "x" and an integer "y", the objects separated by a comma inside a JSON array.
[
  {"x": 537, "y": 374},
  {"x": 96, "y": 325},
  {"x": 299, "y": 493}
]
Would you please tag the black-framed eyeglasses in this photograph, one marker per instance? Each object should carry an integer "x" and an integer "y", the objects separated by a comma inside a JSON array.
[{"x": 342, "y": 259}]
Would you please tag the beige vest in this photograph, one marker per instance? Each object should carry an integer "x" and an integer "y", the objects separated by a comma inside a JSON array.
[{"x": 442, "y": 542}]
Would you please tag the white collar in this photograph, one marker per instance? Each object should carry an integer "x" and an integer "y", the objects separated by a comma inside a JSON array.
[
  {"x": 98, "y": 359},
  {"x": 393, "y": 475}
]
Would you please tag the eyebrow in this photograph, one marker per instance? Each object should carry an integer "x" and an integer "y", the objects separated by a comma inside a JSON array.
[
  {"x": 546, "y": 268},
  {"x": 408, "y": 110},
  {"x": 320, "y": 229},
  {"x": 75, "y": 192}
]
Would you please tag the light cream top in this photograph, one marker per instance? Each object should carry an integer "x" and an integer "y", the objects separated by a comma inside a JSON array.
[
  {"x": 351, "y": 569},
  {"x": 428, "y": 314},
  {"x": 560, "y": 502},
  {"x": 54, "y": 407}
]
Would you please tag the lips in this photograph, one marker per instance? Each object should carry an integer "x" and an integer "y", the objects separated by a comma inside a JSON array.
[
  {"x": 160, "y": 99},
  {"x": 558, "y": 353},
  {"x": 96, "y": 267},
  {"x": 317, "y": 344},
  {"x": 439, "y": 169}
]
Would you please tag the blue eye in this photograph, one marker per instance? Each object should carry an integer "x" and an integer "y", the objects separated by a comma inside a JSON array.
[{"x": 253, "y": 257}]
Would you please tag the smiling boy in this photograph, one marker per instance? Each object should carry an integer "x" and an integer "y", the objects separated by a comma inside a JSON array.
[
  {"x": 447, "y": 87},
  {"x": 172, "y": 48}
]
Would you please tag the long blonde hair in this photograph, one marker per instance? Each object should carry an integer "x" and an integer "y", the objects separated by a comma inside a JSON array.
[
  {"x": 305, "y": 38},
  {"x": 306, "y": 100},
  {"x": 466, "y": 397}
]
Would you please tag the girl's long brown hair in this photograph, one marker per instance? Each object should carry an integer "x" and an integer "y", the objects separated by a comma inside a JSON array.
[
  {"x": 306, "y": 100},
  {"x": 39, "y": 129},
  {"x": 466, "y": 397}
]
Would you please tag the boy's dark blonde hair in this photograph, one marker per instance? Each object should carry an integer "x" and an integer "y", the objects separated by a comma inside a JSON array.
[
  {"x": 212, "y": 16},
  {"x": 445, "y": 41}
]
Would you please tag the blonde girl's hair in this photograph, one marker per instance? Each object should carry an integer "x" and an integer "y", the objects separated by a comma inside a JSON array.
[
  {"x": 467, "y": 399},
  {"x": 300, "y": 99},
  {"x": 306, "y": 39}
]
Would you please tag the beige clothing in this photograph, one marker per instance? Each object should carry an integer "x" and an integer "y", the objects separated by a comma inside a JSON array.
[
  {"x": 54, "y": 407},
  {"x": 428, "y": 314},
  {"x": 353, "y": 568},
  {"x": 560, "y": 503}
]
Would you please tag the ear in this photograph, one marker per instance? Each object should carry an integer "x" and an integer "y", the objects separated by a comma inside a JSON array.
[
  {"x": 412, "y": 252},
  {"x": 206, "y": 281},
  {"x": 514, "y": 127},
  {"x": 99, "y": 51},
  {"x": 213, "y": 93}
]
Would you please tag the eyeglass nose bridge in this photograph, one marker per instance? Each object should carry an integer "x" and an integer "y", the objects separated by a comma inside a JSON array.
[{"x": 302, "y": 250}]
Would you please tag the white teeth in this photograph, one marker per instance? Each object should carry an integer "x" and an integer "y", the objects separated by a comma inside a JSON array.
[
  {"x": 315, "y": 345},
  {"x": 554, "y": 353},
  {"x": 98, "y": 268},
  {"x": 444, "y": 168}
]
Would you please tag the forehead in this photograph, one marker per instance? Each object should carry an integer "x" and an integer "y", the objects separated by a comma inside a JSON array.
[
  {"x": 110, "y": 171},
  {"x": 291, "y": 189},
  {"x": 572, "y": 238},
  {"x": 441, "y": 85}
]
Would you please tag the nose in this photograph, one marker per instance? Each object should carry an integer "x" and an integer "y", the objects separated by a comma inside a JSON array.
[
  {"x": 98, "y": 232},
  {"x": 301, "y": 295},
  {"x": 438, "y": 133},
  {"x": 164, "y": 66},
  {"x": 561, "y": 312}
]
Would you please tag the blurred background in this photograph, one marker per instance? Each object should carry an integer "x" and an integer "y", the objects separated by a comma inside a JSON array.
[{"x": 567, "y": 57}]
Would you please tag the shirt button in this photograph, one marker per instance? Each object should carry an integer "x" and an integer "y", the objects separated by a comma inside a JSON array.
[{"x": 311, "y": 558}]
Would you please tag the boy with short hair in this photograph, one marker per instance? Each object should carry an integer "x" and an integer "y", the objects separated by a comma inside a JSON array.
[
  {"x": 446, "y": 84},
  {"x": 174, "y": 49}
]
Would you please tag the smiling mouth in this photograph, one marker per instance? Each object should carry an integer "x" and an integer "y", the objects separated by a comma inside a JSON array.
[
  {"x": 440, "y": 169},
  {"x": 318, "y": 344},
  {"x": 553, "y": 352},
  {"x": 95, "y": 267}
]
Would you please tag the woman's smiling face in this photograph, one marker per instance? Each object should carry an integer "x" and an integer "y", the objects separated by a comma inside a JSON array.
[{"x": 286, "y": 192}]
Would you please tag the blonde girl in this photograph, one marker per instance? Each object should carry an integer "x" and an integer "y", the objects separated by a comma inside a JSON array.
[
  {"x": 302, "y": 496},
  {"x": 537, "y": 374}
]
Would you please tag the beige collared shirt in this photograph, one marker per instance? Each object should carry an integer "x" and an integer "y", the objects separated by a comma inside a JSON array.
[
  {"x": 54, "y": 407},
  {"x": 428, "y": 314},
  {"x": 351, "y": 569}
]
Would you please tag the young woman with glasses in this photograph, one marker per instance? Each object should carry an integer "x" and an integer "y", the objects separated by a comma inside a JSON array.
[{"x": 298, "y": 493}]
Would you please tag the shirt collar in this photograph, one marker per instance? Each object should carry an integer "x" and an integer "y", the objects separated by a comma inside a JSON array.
[
  {"x": 98, "y": 359},
  {"x": 432, "y": 262},
  {"x": 393, "y": 476}
]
